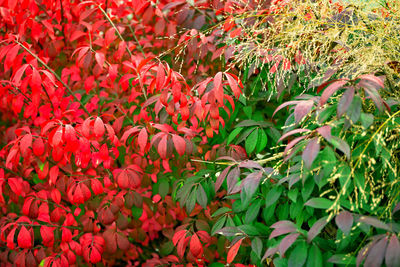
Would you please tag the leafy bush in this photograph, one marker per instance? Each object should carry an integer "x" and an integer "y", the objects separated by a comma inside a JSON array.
[{"x": 128, "y": 137}]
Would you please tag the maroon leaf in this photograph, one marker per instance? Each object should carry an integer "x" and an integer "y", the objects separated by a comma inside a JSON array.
[
  {"x": 295, "y": 102},
  {"x": 376, "y": 253},
  {"x": 270, "y": 251},
  {"x": 286, "y": 242},
  {"x": 330, "y": 90},
  {"x": 232, "y": 179},
  {"x": 344, "y": 221},
  {"x": 310, "y": 152},
  {"x": 392, "y": 257},
  {"x": 345, "y": 101},
  {"x": 293, "y": 143},
  {"x": 378, "y": 81},
  {"x": 221, "y": 178},
  {"x": 292, "y": 132},
  {"x": 325, "y": 131},
  {"x": 302, "y": 109},
  {"x": 316, "y": 228},
  {"x": 374, "y": 222}
]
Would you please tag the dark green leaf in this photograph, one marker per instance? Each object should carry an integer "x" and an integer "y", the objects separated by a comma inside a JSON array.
[
  {"x": 319, "y": 203},
  {"x": 298, "y": 256},
  {"x": 251, "y": 141},
  {"x": 202, "y": 197}
]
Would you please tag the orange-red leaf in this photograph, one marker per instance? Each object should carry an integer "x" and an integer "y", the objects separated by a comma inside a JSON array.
[
  {"x": 233, "y": 251},
  {"x": 195, "y": 246}
]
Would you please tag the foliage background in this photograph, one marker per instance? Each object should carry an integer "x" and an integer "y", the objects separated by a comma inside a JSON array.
[{"x": 128, "y": 137}]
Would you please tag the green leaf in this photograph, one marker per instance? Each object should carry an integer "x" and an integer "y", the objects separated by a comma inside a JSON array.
[
  {"x": 218, "y": 225},
  {"x": 319, "y": 203},
  {"x": 298, "y": 256},
  {"x": 166, "y": 248},
  {"x": 163, "y": 187},
  {"x": 202, "y": 197},
  {"x": 136, "y": 212},
  {"x": 233, "y": 134},
  {"x": 314, "y": 257},
  {"x": 191, "y": 201},
  {"x": 292, "y": 195},
  {"x": 273, "y": 195},
  {"x": 257, "y": 246},
  {"x": 262, "y": 140},
  {"x": 248, "y": 111},
  {"x": 252, "y": 212},
  {"x": 366, "y": 120},
  {"x": 251, "y": 141},
  {"x": 220, "y": 211}
]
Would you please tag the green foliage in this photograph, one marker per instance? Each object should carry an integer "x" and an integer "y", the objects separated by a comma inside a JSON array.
[{"x": 322, "y": 185}]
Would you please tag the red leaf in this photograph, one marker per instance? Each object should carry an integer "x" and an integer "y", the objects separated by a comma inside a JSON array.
[
  {"x": 233, "y": 251},
  {"x": 180, "y": 144},
  {"x": 376, "y": 253},
  {"x": 178, "y": 236},
  {"x": 38, "y": 146},
  {"x": 18, "y": 74},
  {"x": 142, "y": 140},
  {"x": 218, "y": 89},
  {"x": 15, "y": 185},
  {"x": 53, "y": 175},
  {"x": 25, "y": 143},
  {"x": 10, "y": 239},
  {"x": 47, "y": 234},
  {"x": 99, "y": 127},
  {"x": 57, "y": 137},
  {"x": 55, "y": 195},
  {"x": 100, "y": 59},
  {"x": 24, "y": 238},
  {"x": 160, "y": 79},
  {"x": 162, "y": 147},
  {"x": 195, "y": 246},
  {"x": 95, "y": 255},
  {"x": 96, "y": 186},
  {"x": 233, "y": 84},
  {"x": 294, "y": 102}
]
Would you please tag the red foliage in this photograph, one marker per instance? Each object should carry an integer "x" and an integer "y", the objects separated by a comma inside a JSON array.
[{"x": 92, "y": 118}]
